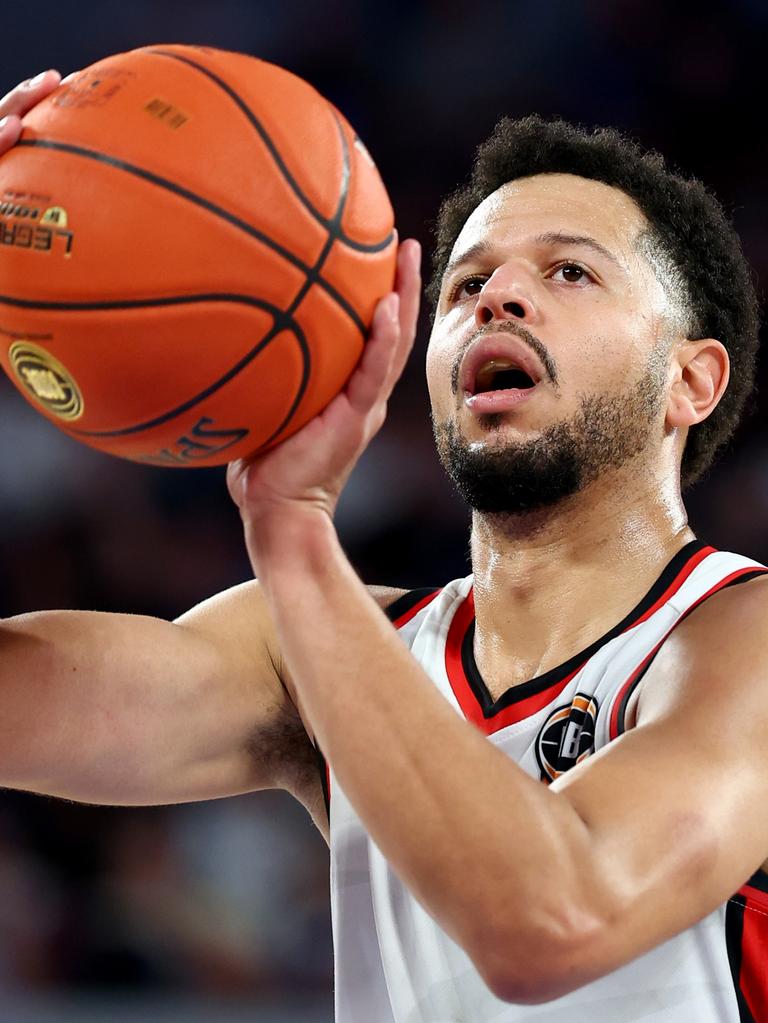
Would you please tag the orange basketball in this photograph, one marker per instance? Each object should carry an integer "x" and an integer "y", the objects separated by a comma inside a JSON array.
[{"x": 192, "y": 244}]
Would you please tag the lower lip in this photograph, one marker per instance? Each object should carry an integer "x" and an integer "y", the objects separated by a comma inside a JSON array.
[{"x": 488, "y": 402}]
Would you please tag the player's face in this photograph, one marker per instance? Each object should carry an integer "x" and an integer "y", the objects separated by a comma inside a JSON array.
[{"x": 551, "y": 332}]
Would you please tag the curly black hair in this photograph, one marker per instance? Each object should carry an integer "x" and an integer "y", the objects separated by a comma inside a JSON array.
[{"x": 688, "y": 229}]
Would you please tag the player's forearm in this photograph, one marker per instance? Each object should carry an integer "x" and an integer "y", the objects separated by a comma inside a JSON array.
[{"x": 412, "y": 768}]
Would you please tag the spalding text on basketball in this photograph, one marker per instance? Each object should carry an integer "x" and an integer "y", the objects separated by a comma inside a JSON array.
[{"x": 199, "y": 442}]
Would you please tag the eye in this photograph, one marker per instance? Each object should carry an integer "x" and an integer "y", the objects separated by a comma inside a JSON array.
[
  {"x": 467, "y": 287},
  {"x": 572, "y": 273}
]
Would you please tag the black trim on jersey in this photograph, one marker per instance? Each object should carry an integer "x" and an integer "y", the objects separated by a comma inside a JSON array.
[
  {"x": 734, "y": 930},
  {"x": 759, "y": 880},
  {"x": 621, "y": 728},
  {"x": 408, "y": 600},
  {"x": 323, "y": 767},
  {"x": 555, "y": 675}
]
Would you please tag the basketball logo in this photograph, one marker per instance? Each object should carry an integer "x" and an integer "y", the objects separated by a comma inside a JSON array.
[
  {"x": 46, "y": 380},
  {"x": 55, "y": 215},
  {"x": 567, "y": 737}
]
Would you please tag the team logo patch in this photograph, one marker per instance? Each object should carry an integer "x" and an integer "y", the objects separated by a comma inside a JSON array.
[
  {"x": 46, "y": 380},
  {"x": 567, "y": 736}
]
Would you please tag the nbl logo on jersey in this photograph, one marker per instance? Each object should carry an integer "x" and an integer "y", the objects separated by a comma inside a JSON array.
[{"x": 567, "y": 737}]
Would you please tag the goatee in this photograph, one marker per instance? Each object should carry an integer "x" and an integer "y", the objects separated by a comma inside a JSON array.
[{"x": 517, "y": 478}]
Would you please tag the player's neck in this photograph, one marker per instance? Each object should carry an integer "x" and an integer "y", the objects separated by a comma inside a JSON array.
[{"x": 550, "y": 583}]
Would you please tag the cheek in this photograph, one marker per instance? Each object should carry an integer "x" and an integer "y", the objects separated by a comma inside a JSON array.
[
  {"x": 438, "y": 377},
  {"x": 606, "y": 363}
]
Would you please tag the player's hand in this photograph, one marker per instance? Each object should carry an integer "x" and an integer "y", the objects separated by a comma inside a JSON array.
[
  {"x": 310, "y": 469},
  {"x": 19, "y": 101}
]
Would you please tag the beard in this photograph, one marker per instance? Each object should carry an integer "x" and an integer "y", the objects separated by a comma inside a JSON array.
[{"x": 605, "y": 433}]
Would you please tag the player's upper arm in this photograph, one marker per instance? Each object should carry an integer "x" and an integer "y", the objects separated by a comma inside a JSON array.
[
  {"x": 111, "y": 708},
  {"x": 128, "y": 709},
  {"x": 674, "y": 808}
]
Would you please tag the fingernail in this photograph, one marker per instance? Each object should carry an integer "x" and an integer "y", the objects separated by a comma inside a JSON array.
[
  {"x": 37, "y": 80},
  {"x": 393, "y": 306},
  {"x": 3, "y": 122}
]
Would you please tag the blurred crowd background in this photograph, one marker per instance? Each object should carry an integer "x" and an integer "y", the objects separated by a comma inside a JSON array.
[{"x": 221, "y": 909}]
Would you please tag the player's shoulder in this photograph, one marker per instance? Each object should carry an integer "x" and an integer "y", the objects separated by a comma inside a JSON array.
[
  {"x": 230, "y": 607},
  {"x": 736, "y": 614},
  {"x": 717, "y": 648}
]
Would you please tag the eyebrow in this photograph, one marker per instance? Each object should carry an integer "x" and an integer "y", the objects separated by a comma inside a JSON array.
[
  {"x": 485, "y": 248},
  {"x": 481, "y": 248},
  {"x": 559, "y": 238}
]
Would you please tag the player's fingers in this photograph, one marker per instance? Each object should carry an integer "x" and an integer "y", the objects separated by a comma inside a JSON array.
[
  {"x": 235, "y": 480},
  {"x": 10, "y": 129},
  {"x": 409, "y": 290},
  {"x": 369, "y": 382},
  {"x": 408, "y": 284},
  {"x": 26, "y": 94}
]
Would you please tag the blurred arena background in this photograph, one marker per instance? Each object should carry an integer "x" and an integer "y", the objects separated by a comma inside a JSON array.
[{"x": 220, "y": 910}]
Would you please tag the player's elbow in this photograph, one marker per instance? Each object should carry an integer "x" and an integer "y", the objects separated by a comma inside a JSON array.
[
  {"x": 541, "y": 960},
  {"x": 529, "y": 983}
]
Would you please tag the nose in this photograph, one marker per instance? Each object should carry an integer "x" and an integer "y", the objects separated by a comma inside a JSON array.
[{"x": 506, "y": 295}]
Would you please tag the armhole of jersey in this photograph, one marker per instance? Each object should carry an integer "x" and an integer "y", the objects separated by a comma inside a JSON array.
[
  {"x": 625, "y": 693},
  {"x": 746, "y": 936},
  {"x": 734, "y": 940},
  {"x": 399, "y": 612},
  {"x": 325, "y": 780}
]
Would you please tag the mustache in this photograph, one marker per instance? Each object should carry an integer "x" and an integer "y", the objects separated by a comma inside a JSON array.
[{"x": 509, "y": 327}]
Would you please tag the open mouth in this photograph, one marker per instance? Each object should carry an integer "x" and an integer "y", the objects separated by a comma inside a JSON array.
[{"x": 501, "y": 375}]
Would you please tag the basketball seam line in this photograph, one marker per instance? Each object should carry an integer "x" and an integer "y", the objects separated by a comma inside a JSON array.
[
  {"x": 275, "y": 152},
  {"x": 281, "y": 322},
  {"x": 134, "y": 303},
  {"x": 155, "y": 179},
  {"x": 332, "y": 228}
]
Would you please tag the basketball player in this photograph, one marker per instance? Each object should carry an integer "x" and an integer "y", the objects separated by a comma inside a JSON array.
[{"x": 590, "y": 309}]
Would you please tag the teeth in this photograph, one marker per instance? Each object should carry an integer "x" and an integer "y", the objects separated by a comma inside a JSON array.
[{"x": 488, "y": 371}]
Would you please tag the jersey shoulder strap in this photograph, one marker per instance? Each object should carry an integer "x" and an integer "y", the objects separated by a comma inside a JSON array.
[{"x": 409, "y": 604}]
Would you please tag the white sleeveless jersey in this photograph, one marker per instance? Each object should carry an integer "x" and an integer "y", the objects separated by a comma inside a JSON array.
[{"x": 394, "y": 964}]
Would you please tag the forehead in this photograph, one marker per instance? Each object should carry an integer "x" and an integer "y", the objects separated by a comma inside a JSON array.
[{"x": 566, "y": 203}]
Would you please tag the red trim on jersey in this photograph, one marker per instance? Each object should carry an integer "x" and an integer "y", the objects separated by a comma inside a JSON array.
[
  {"x": 644, "y": 664},
  {"x": 462, "y": 619},
  {"x": 613, "y": 726},
  {"x": 753, "y": 979},
  {"x": 463, "y": 692},
  {"x": 406, "y": 616}
]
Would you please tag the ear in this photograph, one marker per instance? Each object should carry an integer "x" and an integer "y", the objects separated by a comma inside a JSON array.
[{"x": 702, "y": 370}]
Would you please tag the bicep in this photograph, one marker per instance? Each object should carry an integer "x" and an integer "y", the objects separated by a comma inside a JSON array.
[{"x": 669, "y": 806}]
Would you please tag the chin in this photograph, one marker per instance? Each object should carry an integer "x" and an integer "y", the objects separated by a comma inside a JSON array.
[{"x": 496, "y": 430}]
